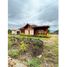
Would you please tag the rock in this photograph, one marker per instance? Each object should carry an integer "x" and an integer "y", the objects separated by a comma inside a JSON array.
[
  {"x": 11, "y": 62},
  {"x": 47, "y": 65},
  {"x": 15, "y": 63},
  {"x": 20, "y": 65},
  {"x": 39, "y": 56}
]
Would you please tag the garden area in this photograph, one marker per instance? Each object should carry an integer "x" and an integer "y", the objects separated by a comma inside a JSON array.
[{"x": 33, "y": 51}]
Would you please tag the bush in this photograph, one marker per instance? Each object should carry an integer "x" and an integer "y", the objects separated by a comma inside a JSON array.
[
  {"x": 36, "y": 47},
  {"x": 15, "y": 41},
  {"x": 35, "y": 62},
  {"x": 9, "y": 43},
  {"x": 14, "y": 53},
  {"x": 9, "y": 31},
  {"x": 37, "y": 42},
  {"x": 23, "y": 47},
  {"x": 22, "y": 34}
]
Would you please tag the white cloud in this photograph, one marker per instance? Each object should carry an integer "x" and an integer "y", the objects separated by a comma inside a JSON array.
[{"x": 40, "y": 12}]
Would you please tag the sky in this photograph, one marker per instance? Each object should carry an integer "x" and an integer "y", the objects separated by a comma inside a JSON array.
[{"x": 38, "y": 12}]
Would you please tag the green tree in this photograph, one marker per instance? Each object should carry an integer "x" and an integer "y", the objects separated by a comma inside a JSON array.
[{"x": 9, "y": 31}]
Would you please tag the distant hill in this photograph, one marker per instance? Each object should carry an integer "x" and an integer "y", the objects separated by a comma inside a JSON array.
[{"x": 56, "y": 32}]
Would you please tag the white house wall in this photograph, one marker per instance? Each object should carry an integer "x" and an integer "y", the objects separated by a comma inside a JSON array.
[
  {"x": 26, "y": 32},
  {"x": 14, "y": 32},
  {"x": 29, "y": 31}
]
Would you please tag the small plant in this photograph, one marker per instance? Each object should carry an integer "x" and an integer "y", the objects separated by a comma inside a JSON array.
[
  {"x": 23, "y": 47},
  {"x": 14, "y": 53},
  {"x": 9, "y": 43},
  {"x": 35, "y": 62}
]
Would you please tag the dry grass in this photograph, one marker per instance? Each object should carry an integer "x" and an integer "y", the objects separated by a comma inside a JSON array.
[{"x": 50, "y": 51}]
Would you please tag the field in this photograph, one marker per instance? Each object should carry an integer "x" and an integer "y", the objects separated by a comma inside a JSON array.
[{"x": 21, "y": 54}]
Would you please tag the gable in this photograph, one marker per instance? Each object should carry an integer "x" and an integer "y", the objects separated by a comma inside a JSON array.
[{"x": 28, "y": 27}]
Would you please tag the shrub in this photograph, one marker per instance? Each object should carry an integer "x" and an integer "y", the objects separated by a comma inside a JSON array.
[
  {"x": 37, "y": 42},
  {"x": 15, "y": 41},
  {"x": 9, "y": 31},
  {"x": 36, "y": 47},
  {"x": 14, "y": 53},
  {"x": 22, "y": 34},
  {"x": 35, "y": 62},
  {"x": 23, "y": 47},
  {"x": 9, "y": 43}
]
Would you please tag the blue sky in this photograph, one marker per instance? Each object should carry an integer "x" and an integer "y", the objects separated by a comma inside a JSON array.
[{"x": 39, "y": 12}]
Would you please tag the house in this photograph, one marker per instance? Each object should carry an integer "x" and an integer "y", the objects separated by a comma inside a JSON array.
[
  {"x": 16, "y": 31},
  {"x": 34, "y": 30}
]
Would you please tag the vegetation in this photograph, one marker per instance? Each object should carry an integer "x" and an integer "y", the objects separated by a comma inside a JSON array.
[
  {"x": 9, "y": 31},
  {"x": 9, "y": 44},
  {"x": 23, "y": 47},
  {"x": 14, "y": 53},
  {"x": 35, "y": 62},
  {"x": 36, "y": 50},
  {"x": 36, "y": 47}
]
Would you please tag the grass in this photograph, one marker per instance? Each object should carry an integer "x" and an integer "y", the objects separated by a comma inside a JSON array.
[
  {"x": 29, "y": 36},
  {"x": 50, "y": 52},
  {"x": 51, "y": 49},
  {"x": 35, "y": 62},
  {"x": 14, "y": 53}
]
